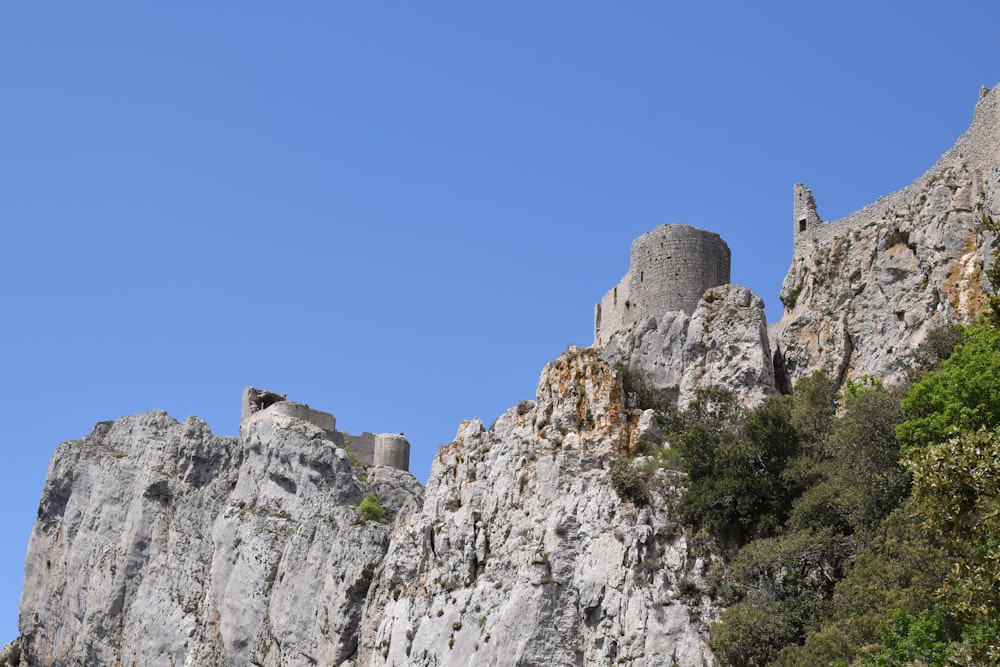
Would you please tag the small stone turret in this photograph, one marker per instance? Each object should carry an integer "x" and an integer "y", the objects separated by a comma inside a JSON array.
[
  {"x": 380, "y": 449},
  {"x": 392, "y": 450},
  {"x": 669, "y": 270},
  {"x": 804, "y": 215}
]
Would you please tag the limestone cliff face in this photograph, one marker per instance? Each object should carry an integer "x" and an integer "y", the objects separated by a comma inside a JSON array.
[
  {"x": 524, "y": 554},
  {"x": 724, "y": 342},
  {"x": 864, "y": 291},
  {"x": 158, "y": 543}
]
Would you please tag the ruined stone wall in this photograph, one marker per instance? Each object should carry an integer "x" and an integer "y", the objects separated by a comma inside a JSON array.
[
  {"x": 324, "y": 420},
  {"x": 378, "y": 449},
  {"x": 669, "y": 270},
  {"x": 977, "y": 151},
  {"x": 362, "y": 446},
  {"x": 381, "y": 449}
]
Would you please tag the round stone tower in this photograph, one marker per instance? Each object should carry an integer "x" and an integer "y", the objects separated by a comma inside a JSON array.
[
  {"x": 670, "y": 269},
  {"x": 392, "y": 450}
]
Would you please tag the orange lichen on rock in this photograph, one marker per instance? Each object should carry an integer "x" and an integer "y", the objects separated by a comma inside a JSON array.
[{"x": 581, "y": 393}]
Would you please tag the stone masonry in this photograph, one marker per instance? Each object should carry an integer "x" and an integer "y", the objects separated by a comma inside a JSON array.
[
  {"x": 977, "y": 150},
  {"x": 380, "y": 449},
  {"x": 669, "y": 270}
]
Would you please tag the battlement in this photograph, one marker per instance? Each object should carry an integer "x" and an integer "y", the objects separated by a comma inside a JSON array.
[
  {"x": 669, "y": 270},
  {"x": 380, "y": 449}
]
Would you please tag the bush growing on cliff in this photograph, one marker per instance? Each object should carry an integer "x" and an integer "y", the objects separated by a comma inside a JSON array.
[
  {"x": 359, "y": 589},
  {"x": 642, "y": 394},
  {"x": 371, "y": 508},
  {"x": 924, "y": 585},
  {"x": 631, "y": 483},
  {"x": 831, "y": 480}
]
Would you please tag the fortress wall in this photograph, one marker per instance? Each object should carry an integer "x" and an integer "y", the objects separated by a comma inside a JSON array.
[
  {"x": 977, "y": 150},
  {"x": 610, "y": 314},
  {"x": 669, "y": 270},
  {"x": 362, "y": 446},
  {"x": 383, "y": 449},
  {"x": 302, "y": 411}
]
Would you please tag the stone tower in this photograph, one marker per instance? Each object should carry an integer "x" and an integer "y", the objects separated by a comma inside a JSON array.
[{"x": 669, "y": 270}]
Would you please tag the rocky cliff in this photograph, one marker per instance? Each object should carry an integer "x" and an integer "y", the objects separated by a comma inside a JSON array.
[
  {"x": 723, "y": 342},
  {"x": 158, "y": 543},
  {"x": 524, "y": 553},
  {"x": 863, "y": 292}
]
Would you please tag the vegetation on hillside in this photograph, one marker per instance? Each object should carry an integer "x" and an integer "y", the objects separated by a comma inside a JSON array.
[{"x": 865, "y": 521}]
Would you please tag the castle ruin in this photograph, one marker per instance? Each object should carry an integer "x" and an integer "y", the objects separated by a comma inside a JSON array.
[
  {"x": 669, "y": 270},
  {"x": 380, "y": 449}
]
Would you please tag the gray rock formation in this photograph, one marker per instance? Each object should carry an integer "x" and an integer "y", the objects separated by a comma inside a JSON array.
[
  {"x": 861, "y": 295},
  {"x": 724, "y": 342},
  {"x": 158, "y": 543},
  {"x": 524, "y": 554},
  {"x": 863, "y": 292},
  {"x": 727, "y": 346}
]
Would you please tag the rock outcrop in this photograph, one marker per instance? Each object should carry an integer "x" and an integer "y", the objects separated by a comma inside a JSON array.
[
  {"x": 158, "y": 543},
  {"x": 524, "y": 554},
  {"x": 861, "y": 295},
  {"x": 863, "y": 292},
  {"x": 724, "y": 342}
]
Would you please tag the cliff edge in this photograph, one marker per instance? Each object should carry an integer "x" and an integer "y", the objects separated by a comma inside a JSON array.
[{"x": 864, "y": 291}]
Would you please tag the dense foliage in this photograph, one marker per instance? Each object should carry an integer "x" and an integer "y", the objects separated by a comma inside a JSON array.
[{"x": 865, "y": 522}]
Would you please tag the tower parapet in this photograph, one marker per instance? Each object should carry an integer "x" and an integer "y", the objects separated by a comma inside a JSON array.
[{"x": 669, "y": 270}]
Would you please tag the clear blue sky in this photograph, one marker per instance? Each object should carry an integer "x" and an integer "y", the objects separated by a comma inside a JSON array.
[{"x": 398, "y": 212}]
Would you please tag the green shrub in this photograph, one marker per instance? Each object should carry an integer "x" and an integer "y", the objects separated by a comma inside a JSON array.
[
  {"x": 734, "y": 460},
  {"x": 371, "y": 508},
  {"x": 641, "y": 393},
  {"x": 962, "y": 396},
  {"x": 750, "y": 636},
  {"x": 631, "y": 484}
]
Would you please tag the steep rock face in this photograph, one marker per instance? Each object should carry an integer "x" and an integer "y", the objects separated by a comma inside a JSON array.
[
  {"x": 723, "y": 342},
  {"x": 863, "y": 292},
  {"x": 727, "y": 346},
  {"x": 160, "y": 543},
  {"x": 524, "y": 554}
]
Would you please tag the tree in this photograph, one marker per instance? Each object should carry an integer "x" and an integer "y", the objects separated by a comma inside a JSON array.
[
  {"x": 734, "y": 460},
  {"x": 956, "y": 491},
  {"x": 857, "y": 476},
  {"x": 962, "y": 396}
]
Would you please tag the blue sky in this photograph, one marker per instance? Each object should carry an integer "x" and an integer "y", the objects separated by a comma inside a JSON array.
[{"x": 398, "y": 212}]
